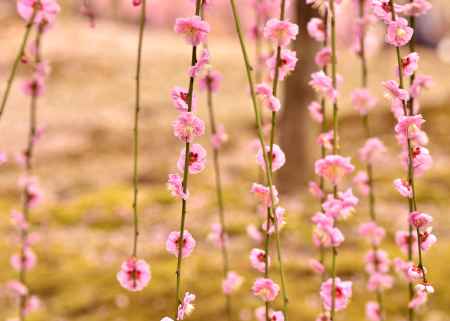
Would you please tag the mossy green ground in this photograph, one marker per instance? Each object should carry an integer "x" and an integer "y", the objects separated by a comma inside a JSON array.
[{"x": 84, "y": 163}]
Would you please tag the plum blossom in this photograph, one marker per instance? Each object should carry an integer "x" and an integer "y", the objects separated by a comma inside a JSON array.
[
  {"x": 188, "y": 126},
  {"x": 419, "y": 219},
  {"x": 394, "y": 91},
  {"x": 175, "y": 186},
  {"x": 281, "y": 32},
  {"x": 258, "y": 259},
  {"x": 268, "y": 99},
  {"x": 334, "y": 168},
  {"x": 196, "y": 69},
  {"x": 377, "y": 261},
  {"x": 232, "y": 283},
  {"x": 217, "y": 235},
  {"x": 196, "y": 159},
  {"x": 279, "y": 217},
  {"x": 323, "y": 84},
  {"x": 180, "y": 99},
  {"x": 316, "y": 266},
  {"x": 373, "y": 311},
  {"x": 361, "y": 181},
  {"x": 34, "y": 87},
  {"x": 278, "y": 157},
  {"x": 24, "y": 261},
  {"x": 134, "y": 274},
  {"x": 315, "y": 190},
  {"x": 379, "y": 281},
  {"x": 219, "y": 137},
  {"x": 316, "y": 29},
  {"x": 315, "y": 111},
  {"x": 263, "y": 194},
  {"x": 323, "y": 57},
  {"x": 47, "y": 11},
  {"x": 265, "y": 289},
  {"x": 410, "y": 63},
  {"x": 194, "y": 29},
  {"x": 403, "y": 187},
  {"x": 343, "y": 293},
  {"x": 372, "y": 231},
  {"x": 186, "y": 307},
  {"x": 372, "y": 150},
  {"x": 211, "y": 80},
  {"x": 420, "y": 82},
  {"x": 399, "y": 33},
  {"x": 288, "y": 61},
  {"x": 363, "y": 101},
  {"x": 416, "y": 8},
  {"x": 172, "y": 244}
]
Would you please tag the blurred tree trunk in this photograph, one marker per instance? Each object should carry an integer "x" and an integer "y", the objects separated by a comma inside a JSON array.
[{"x": 294, "y": 120}]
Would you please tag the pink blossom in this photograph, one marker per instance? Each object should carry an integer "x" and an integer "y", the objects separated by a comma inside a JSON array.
[
  {"x": 265, "y": 289},
  {"x": 26, "y": 260},
  {"x": 281, "y": 32},
  {"x": 379, "y": 281},
  {"x": 373, "y": 311},
  {"x": 32, "y": 303},
  {"x": 3, "y": 158},
  {"x": 46, "y": 11},
  {"x": 334, "y": 168},
  {"x": 421, "y": 160},
  {"x": 372, "y": 231},
  {"x": 167, "y": 319},
  {"x": 316, "y": 29},
  {"x": 175, "y": 186},
  {"x": 326, "y": 140},
  {"x": 420, "y": 82},
  {"x": 416, "y": 8},
  {"x": 427, "y": 239},
  {"x": 323, "y": 57},
  {"x": 195, "y": 70},
  {"x": 172, "y": 244},
  {"x": 263, "y": 194},
  {"x": 397, "y": 108},
  {"x": 260, "y": 314},
  {"x": 258, "y": 260},
  {"x": 361, "y": 181},
  {"x": 134, "y": 274},
  {"x": 402, "y": 267},
  {"x": 327, "y": 236},
  {"x": 219, "y": 137},
  {"x": 394, "y": 91},
  {"x": 419, "y": 299},
  {"x": 19, "y": 220},
  {"x": 382, "y": 10},
  {"x": 316, "y": 266},
  {"x": 343, "y": 293},
  {"x": 268, "y": 99},
  {"x": 276, "y": 316},
  {"x": 17, "y": 288},
  {"x": 254, "y": 233},
  {"x": 186, "y": 307},
  {"x": 180, "y": 99},
  {"x": 279, "y": 216},
  {"x": 194, "y": 29},
  {"x": 278, "y": 157},
  {"x": 137, "y": 3},
  {"x": 315, "y": 190},
  {"x": 409, "y": 127},
  {"x": 402, "y": 240},
  {"x": 188, "y": 126},
  {"x": 315, "y": 111},
  {"x": 288, "y": 61},
  {"x": 323, "y": 84},
  {"x": 363, "y": 101},
  {"x": 419, "y": 219},
  {"x": 415, "y": 273},
  {"x": 372, "y": 150},
  {"x": 377, "y": 261},
  {"x": 410, "y": 64},
  {"x": 322, "y": 316},
  {"x": 196, "y": 159},
  {"x": 321, "y": 219},
  {"x": 232, "y": 283},
  {"x": 342, "y": 206},
  {"x": 34, "y": 87},
  {"x": 217, "y": 235},
  {"x": 211, "y": 81},
  {"x": 399, "y": 33},
  {"x": 403, "y": 187}
]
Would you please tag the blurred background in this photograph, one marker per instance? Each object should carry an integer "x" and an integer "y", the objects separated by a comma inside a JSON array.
[{"x": 84, "y": 163}]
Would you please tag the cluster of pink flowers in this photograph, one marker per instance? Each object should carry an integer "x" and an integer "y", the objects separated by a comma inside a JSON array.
[
  {"x": 41, "y": 15},
  {"x": 192, "y": 160},
  {"x": 412, "y": 139},
  {"x": 331, "y": 168}
]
